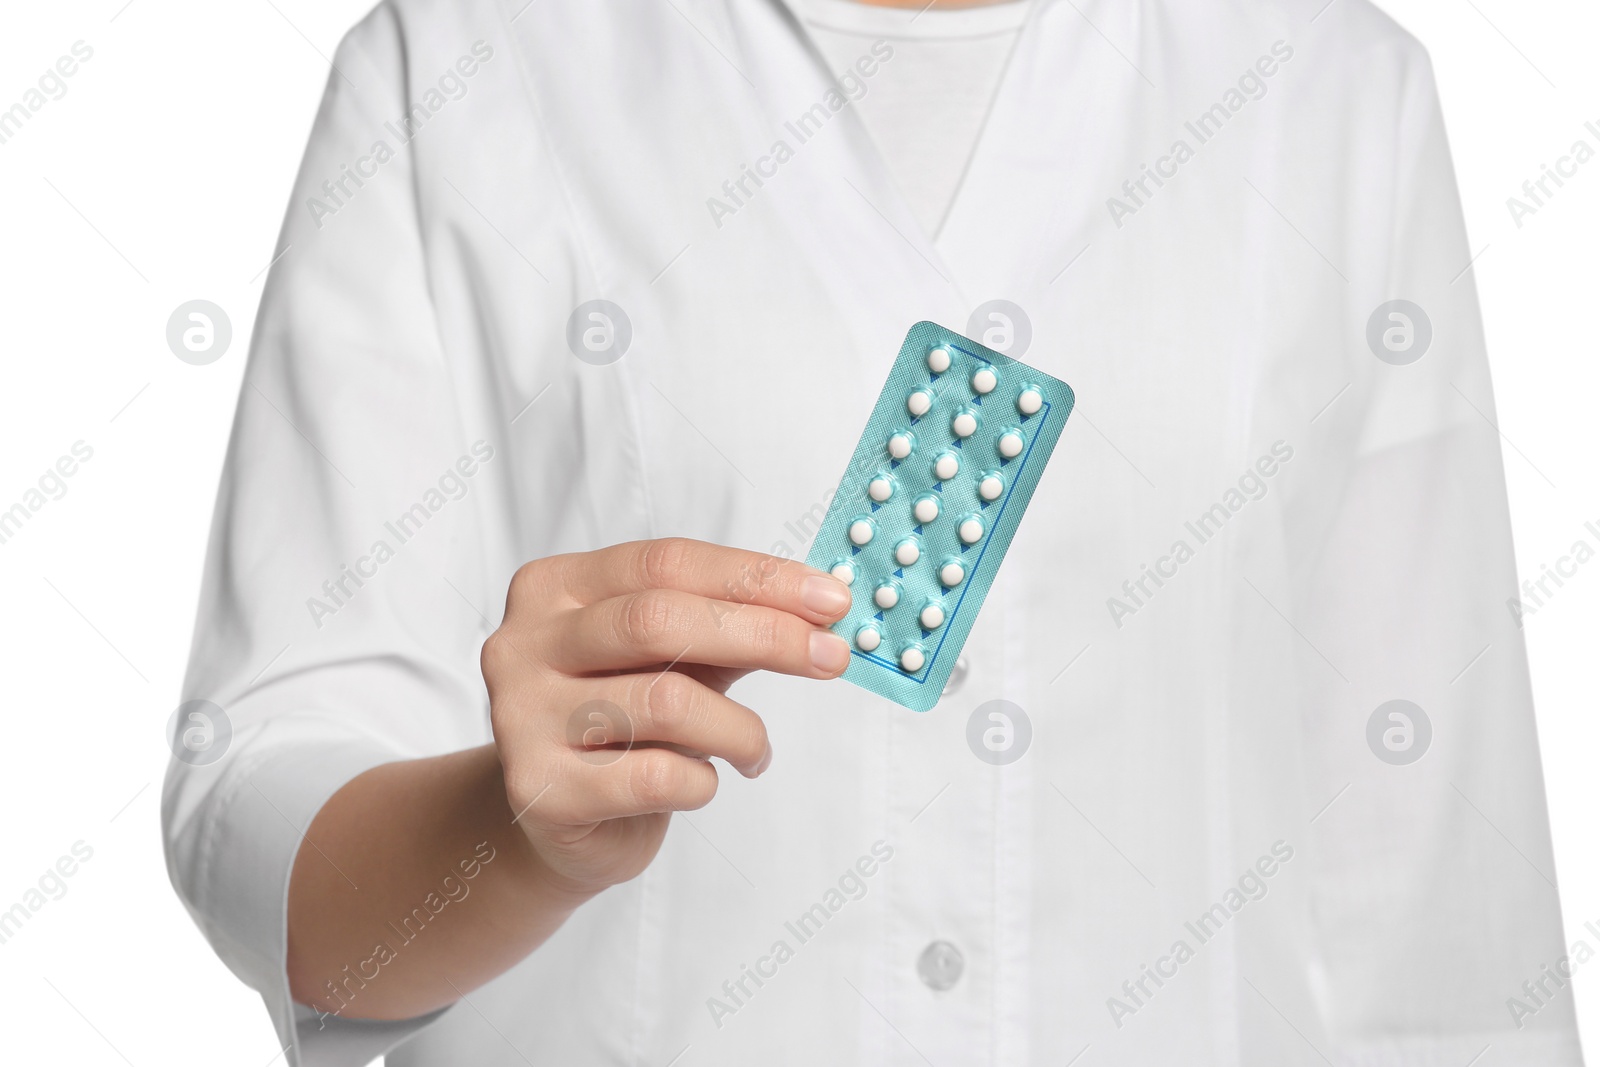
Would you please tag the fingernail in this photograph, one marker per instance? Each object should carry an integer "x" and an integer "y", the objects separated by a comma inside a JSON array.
[
  {"x": 766, "y": 761},
  {"x": 825, "y": 596},
  {"x": 829, "y": 653}
]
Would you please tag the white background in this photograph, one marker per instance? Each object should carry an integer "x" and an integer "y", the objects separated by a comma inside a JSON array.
[{"x": 162, "y": 175}]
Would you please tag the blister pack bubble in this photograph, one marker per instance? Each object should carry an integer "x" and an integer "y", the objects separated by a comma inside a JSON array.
[{"x": 929, "y": 504}]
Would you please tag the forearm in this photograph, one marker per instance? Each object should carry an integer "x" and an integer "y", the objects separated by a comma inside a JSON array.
[
  {"x": 601, "y": 745},
  {"x": 414, "y": 886}
]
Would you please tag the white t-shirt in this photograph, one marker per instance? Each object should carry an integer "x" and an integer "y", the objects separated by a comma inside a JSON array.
[{"x": 926, "y": 107}]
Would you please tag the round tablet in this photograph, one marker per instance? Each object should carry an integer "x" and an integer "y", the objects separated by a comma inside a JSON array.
[
  {"x": 939, "y": 360},
  {"x": 984, "y": 381},
  {"x": 964, "y": 425},
  {"x": 971, "y": 530},
  {"x": 845, "y": 571},
  {"x": 932, "y": 616},
  {"x": 907, "y": 552},
  {"x": 886, "y": 595},
  {"x": 912, "y": 659},
  {"x": 926, "y": 509},
  {"x": 880, "y": 488},
  {"x": 947, "y": 466},
  {"x": 1030, "y": 400},
  {"x": 919, "y": 402},
  {"x": 953, "y": 573},
  {"x": 990, "y": 486},
  {"x": 861, "y": 532},
  {"x": 1010, "y": 444},
  {"x": 900, "y": 445},
  {"x": 868, "y": 638}
]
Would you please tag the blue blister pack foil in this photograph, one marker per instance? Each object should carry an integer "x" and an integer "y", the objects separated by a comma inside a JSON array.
[{"x": 929, "y": 504}]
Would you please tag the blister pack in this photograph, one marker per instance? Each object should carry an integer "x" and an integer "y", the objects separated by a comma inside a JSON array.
[{"x": 929, "y": 504}]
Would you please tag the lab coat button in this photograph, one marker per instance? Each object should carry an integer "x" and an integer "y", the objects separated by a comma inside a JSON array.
[{"x": 940, "y": 965}]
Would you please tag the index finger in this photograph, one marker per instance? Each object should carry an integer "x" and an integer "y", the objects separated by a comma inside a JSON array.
[{"x": 713, "y": 571}]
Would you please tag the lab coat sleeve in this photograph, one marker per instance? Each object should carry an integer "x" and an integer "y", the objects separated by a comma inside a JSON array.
[
  {"x": 1436, "y": 895},
  {"x": 329, "y": 634}
]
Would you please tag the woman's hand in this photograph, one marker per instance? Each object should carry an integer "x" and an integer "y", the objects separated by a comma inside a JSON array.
[{"x": 607, "y": 686}]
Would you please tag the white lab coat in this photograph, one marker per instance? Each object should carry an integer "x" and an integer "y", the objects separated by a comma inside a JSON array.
[{"x": 1175, "y": 745}]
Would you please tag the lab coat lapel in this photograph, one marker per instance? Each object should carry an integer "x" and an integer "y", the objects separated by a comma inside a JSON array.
[
  {"x": 697, "y": 112},
  {"x": 715, "y": 126},
  {"x": 1057, "y": 139},
  {"x": 836, "y": 195},
  {"x": 1033, "y": 195}
]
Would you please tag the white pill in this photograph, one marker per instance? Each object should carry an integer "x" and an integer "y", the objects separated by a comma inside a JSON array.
[
  {"x": 984, "y": 381},
  {"x": 919, "y": 402},
  {"x": 868, "y": 638},
  {"x": 946, "y": 467},
  {"x": 932, "y": 617},
  {"x": 991, "y": 487},
  {"x": 939, "y": 360},
  {"x": 880, "y": 488},
  {"x": 912, "y": 659},
  {"x": 971, "y": 530},
  {"x": 1029, "y": 401},
  {"x": 1011, "y": 444},
  {"x": 952, "y": 574},
  {"x": 907, "y": 552},
  {"x": 900, "y": 445},
  {"x": 926, "y": 509},
  {"x": 886, "y": 596},
  {"x": 964, "y": 424},
  {"x": 860, "y": 532},
  {"x": 845, "y": 572}
]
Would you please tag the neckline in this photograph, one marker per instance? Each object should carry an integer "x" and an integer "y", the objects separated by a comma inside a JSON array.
[{"x": 898, "y": 23}]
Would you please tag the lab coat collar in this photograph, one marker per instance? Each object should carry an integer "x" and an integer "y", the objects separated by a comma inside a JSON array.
[
  {"x": 682, "y": 99},
  {"x": 845, "y": 204},
  {"x": 1016, "y": 220}
]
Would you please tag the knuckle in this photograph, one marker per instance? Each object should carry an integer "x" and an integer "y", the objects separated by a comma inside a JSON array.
[
  {"x": 762, "y": 572},
  {"x": 566, "y": 800},
  {"x": 699, "y": 788},
  {"x": 773, "y": 633},
  {"x": 756, "y": 576},
  {"x": 655, "y": 779},
  {"x": 664, "y": 562},
  {"x": 649, "y": 617},
  {"x": 498, "y": 661},
  {"x": 525, "y": 582},
  {"x": 670, "y": 700},
  {"x": 754, "y": 739},
  {"x": 504, "y": 659},
  {"x": 494, "y": 659}
]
